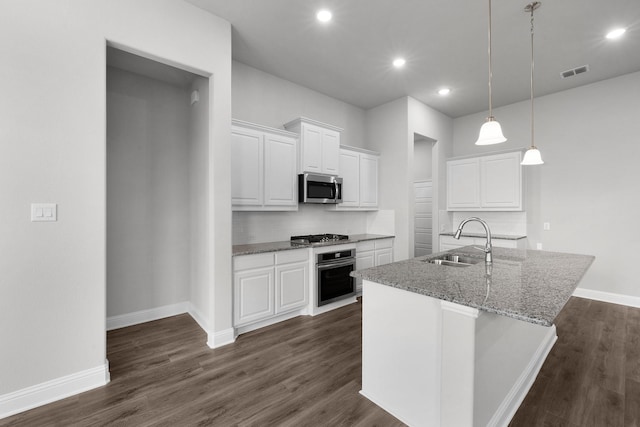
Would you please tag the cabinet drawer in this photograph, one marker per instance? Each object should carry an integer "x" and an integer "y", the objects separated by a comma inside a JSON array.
[
  {"x": 383, "y": 243},
  {"x": 369, "y": 245},
  {"x": 246, "y": 262},
  {"x": 286, "y": 257}
]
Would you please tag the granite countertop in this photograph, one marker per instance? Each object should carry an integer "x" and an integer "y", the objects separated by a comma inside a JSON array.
[
  {"x": 493, "y": 236},
  {"x": 256, "y": 248},
  {"x": 527, "y": 285}
]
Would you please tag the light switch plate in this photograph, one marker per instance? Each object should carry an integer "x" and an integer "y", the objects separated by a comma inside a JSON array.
[{"x": 44, "y": 212}]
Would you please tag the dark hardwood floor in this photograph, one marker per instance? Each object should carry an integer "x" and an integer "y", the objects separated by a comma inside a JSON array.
[
  {"x": 592, "y": 374},
  {"x": 306, "y": 371}
]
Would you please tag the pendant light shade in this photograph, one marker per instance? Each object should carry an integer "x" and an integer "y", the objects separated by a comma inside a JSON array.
[
  {"x": 532, "y": 157},
  {"x": 491, "y": 131}
]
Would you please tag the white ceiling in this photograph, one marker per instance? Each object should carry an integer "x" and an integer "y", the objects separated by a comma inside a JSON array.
[{"x": 444, "y": 42}]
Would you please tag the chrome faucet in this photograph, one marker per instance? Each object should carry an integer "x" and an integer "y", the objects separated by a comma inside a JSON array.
[{"x": 488, "y": 259}]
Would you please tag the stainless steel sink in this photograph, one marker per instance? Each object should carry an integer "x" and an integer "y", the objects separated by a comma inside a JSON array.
[{"x": 453, "y": 260}]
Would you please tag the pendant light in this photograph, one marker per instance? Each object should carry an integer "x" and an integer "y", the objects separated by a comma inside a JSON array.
[
  {"x": 490, "y": 132},
  {"x": 532, "y": 156}
]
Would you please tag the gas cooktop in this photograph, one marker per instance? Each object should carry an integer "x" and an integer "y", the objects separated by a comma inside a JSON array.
[{"x": 318, "y": 238}]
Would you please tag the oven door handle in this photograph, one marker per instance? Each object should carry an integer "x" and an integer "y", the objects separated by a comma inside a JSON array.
[{"x": 323, "y": 266}]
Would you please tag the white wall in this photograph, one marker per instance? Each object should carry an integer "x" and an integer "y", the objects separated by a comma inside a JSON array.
[
  {"x": 422, "y": 159},
  {"x": 198, "y": 199},
  {"x": 53, "y": 149},
  {"x": 390, "y": 130},
  {"x": 147, "y": 193},
  {"x": 425, "y": 121},
  {"x": 587, "y": 188},
  {"x": 268, "y": 100},
  {"x": 387, "y": 133},
  {"x": 258, "y": 227}
]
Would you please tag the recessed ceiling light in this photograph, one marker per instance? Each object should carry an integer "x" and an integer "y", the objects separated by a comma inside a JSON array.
[
  {"x": 399, "y": 62},
  {"x": 444, "y": 91},
  {"x": 324, "y": 15},
  {"x": 614, "y": 34}
]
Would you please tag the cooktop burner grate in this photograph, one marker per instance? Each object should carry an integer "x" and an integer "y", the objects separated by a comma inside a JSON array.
[{"x": 318, "y": 238}]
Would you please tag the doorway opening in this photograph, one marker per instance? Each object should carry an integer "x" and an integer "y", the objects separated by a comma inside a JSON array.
[{"x": 157, "y": 147}]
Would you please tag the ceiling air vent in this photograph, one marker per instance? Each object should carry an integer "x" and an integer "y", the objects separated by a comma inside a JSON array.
[{"x": 574, "y": 71}]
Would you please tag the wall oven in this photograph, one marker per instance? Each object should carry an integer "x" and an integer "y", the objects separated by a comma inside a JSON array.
[
  {"x": 319, "y": 188},
  {"x": 333, "y": 276}
]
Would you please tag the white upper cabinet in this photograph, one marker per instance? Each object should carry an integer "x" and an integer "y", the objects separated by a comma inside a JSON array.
[
  {"x": 369, "y": 180},
  {"x": 489, "y": 183},
  {"x": 350, "y": 167},
  {"x": 247, "y": 153},
  {"x": 463, "y": 184},
  {"x": 263, "y": 168},
  {"x": 359, "y": 172},
  {"x": 319, "y": 146},
  {"x": 501, "y": 181},
  {"x": 280, "y": 170}
]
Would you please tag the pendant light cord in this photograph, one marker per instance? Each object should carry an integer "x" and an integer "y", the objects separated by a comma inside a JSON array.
[
  {"x": 533, "y": 7},
  {"x": 490, "y": 68}
]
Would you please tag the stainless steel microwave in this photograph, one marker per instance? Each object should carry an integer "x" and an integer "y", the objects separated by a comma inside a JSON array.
[{"x": 319, "y": 188}]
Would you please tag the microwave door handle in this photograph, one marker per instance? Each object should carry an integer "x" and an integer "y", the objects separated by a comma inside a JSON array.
[{"x": 337, "y": 193}]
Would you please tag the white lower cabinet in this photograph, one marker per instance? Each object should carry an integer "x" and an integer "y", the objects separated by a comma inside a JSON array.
[
  {"x": 449, "y": 242},
  {"x": 372, "y": 253},
  {"x": 269, "y": 284},
  {"x": 254, "y": 295},
  {"x": 292, "y": 289}
]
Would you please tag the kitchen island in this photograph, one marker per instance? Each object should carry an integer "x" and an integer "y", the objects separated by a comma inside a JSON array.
[{"x": 461, "y": 346}]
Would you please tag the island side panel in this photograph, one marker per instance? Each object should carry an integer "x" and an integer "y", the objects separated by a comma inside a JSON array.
[
  {"x": 401, "y": 353},
  {"x": 457, "y": 347},
  {"x": 508, "y": 356}
]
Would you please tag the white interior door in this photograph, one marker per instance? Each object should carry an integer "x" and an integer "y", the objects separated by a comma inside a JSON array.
[{"x": 423, "y": 221}]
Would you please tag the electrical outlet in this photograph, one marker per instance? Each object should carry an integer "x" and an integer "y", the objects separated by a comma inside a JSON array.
[
  {"x": 539, "y": 246},
  {"x": 44, "y": 212},
  {"x": 546, "y": 226}
]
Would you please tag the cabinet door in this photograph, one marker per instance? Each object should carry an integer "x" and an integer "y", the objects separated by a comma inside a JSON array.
[
  {"x": 330, "y": 151},
  {"x": 350, "y": 173},
  {"x": 311, "y": 148},
  {"x": 463, "y": 186},
  {"x": 253, "y": 295},
  {"x": 246, "y": 167},
  {"x": 368, "y": 180},
  {"x": 501, "y": 181},
  {"x": 364, "y": 260},
  {"x": 384, "y": 256},
  {"x": 292, "y": 286},
  {"x": 280, "y": 183}
]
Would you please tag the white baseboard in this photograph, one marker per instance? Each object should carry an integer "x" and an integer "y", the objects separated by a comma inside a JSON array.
[
  {"x": 51, "y": 391},
  {"x": 271, "y": 321},
  {"x": 198, "y": 317},
  {"x": 218, "y": 339},
  {"x": 376, "y": 401},
  {"x": 513, "y": 400},
  {"x": 607, "y": 297},
  {"x": 130, "y": 319}
]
